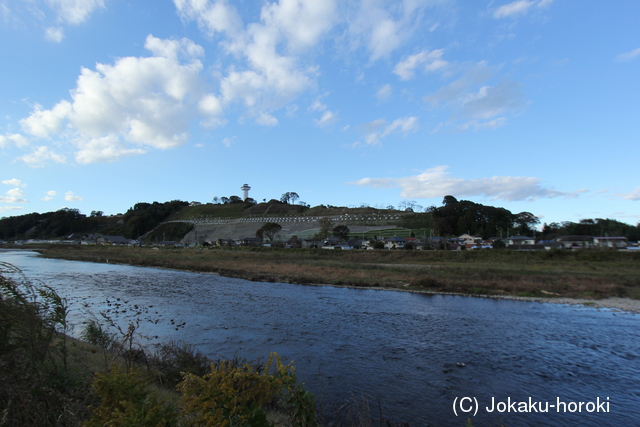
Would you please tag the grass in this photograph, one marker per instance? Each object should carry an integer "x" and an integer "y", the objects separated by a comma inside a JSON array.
[{"x": 581, "y": 274}]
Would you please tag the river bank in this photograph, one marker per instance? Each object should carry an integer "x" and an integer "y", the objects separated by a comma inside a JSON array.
[
  {"x": 398, "y": 349},
  {"x": 601, "y": 279}
]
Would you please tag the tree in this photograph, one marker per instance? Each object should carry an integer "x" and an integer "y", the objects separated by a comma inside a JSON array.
[
  {"x": 293, "y": 196},
  {"x": 341, "y": 232},
  {"x": 326, "y": 227},
  {"x": 525, "y": 221},
  {"x": 268, "y": 230}
]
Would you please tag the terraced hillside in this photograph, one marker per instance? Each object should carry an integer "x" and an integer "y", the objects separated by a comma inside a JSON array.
[{"x": 239, "y": 220}]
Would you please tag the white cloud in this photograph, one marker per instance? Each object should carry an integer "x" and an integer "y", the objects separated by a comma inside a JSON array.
[
  {"x": 327, "y": 118},
  {"x": 265, "y": 119},
  {"x": 75, "y": 11},
  {"x": 376, "y": 130},
  {"x": 137, "y": 101},
  {"x": 478, "y": 125},
  {"x": 228, "y": 142},
  {"x": 436, "y": 182},
  {"x": 632, "y": 195},
  {"x": 428, "y": 60},
  {"x": 490, "y": 101},
  {"x": 384, "y": 93},
  {"x": 270, "y": 79},
  {"x": 41, "y": 155},
  {"x": 50, "y": 195},
  {"x": 10, "y": 208},
  {"x": 54, "y": 34},
  {"x": 302, "y": 22},
  {"x": 519, "y": 7},
  {"x": 628, "y": 56},
  {"x": 70, "y": 196},
  {"x": 476, "y": 104},
  {"x": 212, "y": 17},
  {"x": 106, "y": 149},
  {"x": 382, "y": 29},
  {"x": 42, "y": 123},
  {"x": 15, "y": 195},
  {"x": 14, "y": 183},
  {"x": 15, "y": 139}
]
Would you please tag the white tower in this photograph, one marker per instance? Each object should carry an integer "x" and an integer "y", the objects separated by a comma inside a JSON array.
[{"x": 245, "y": 192}]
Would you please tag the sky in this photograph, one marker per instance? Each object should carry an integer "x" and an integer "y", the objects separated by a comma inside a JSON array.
[{"x": 530, "y": 105}]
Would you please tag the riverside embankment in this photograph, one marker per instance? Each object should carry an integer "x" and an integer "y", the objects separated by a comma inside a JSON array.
[
  {"x": 590, "y": 276},
  {"x": 398, "y": 349}
]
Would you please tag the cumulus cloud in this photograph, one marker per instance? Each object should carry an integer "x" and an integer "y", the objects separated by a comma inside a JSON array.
[
  {"x": 378, "y": 129},
  {"x": 41, "y": 156},
  {"x": 15, "y": 195},
  {"x": 13, "y": 139},
  {"x": 75, "y": 11},
  {"x": 265, "y": 119},
  {"x": 428, "y": 61},
  {"x": 50, "y": 195},
  {"x": 70, "y": 196},
  {"x": 14, "y": 183},
  {"x": 54, "y": 34},
  {"x": 270, "y": 78},
  {"x": 122, "y": 108},
  {"x": 436, "y": 182}
]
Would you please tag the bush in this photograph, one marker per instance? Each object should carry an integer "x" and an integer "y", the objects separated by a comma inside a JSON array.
[
  {"x": 127, "y": 401},
  {"x": 238, "y": 395}
]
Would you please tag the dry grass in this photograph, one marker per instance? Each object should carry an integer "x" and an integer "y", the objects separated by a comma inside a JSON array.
[{"x": 585, "y": 274}]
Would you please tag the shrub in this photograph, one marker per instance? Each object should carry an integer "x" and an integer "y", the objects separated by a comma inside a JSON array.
[
  {"x": 126, "y": 401},
  {"x": 238, "y": 395}
]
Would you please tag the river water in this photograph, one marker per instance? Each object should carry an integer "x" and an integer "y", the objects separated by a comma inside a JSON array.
[{"x": 399, "y": 350}]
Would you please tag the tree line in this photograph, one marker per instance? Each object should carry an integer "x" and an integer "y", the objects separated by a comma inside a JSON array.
[
  {"x": 453, "y": 218},
  {"x": 137, "y": 221}
]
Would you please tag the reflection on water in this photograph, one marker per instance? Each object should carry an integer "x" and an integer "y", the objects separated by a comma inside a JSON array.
[{"x": 400, "y": 349}]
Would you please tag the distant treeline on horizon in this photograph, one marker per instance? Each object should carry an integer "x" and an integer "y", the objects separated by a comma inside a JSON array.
[{"x": 453, "y": 218}]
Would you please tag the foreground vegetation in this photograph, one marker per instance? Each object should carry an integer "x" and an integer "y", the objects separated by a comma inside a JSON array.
[
  {"x": 47, "y": 378},
  {"x": 107, "y": 378},
  {"x": 590, "y": 274}
]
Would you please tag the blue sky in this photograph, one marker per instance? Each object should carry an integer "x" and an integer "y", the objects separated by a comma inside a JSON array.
[{"x": 531, "y": 105}]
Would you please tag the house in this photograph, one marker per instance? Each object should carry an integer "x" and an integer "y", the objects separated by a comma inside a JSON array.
[
  {"x": 112, "y": 240},
  {"x": 521, "y": 241},
  {"x": 394, "y": 242},
  {"x": 467, "y": 239},
  {"x": 575, "y": 242},
  {"x": 610, "y": 242},
  {"x": 250, "y": 241}
]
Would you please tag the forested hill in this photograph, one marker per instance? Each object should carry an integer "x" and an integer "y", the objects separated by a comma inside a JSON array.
[
  {"x": 138, "y": 220},
  {"x": 453, "y": 218}
]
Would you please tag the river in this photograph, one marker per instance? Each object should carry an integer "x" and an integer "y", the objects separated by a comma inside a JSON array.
[{"x": 399, "y": 350}]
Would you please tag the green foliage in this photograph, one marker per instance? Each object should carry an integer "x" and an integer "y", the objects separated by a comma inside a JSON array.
[
  {"x": 125, "y": 400},
  {"x": 36, "y": 388},
  {"x": 237, "y": 395},
  {"x": 459, "y": 217},
  {"x": 326, "y": 227},
  {"x": 268, "y": 230},
  {"x": 341, "y": 232},
  {"x": 172, "y": 360},
  {"x": 95, "y": 334}
]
